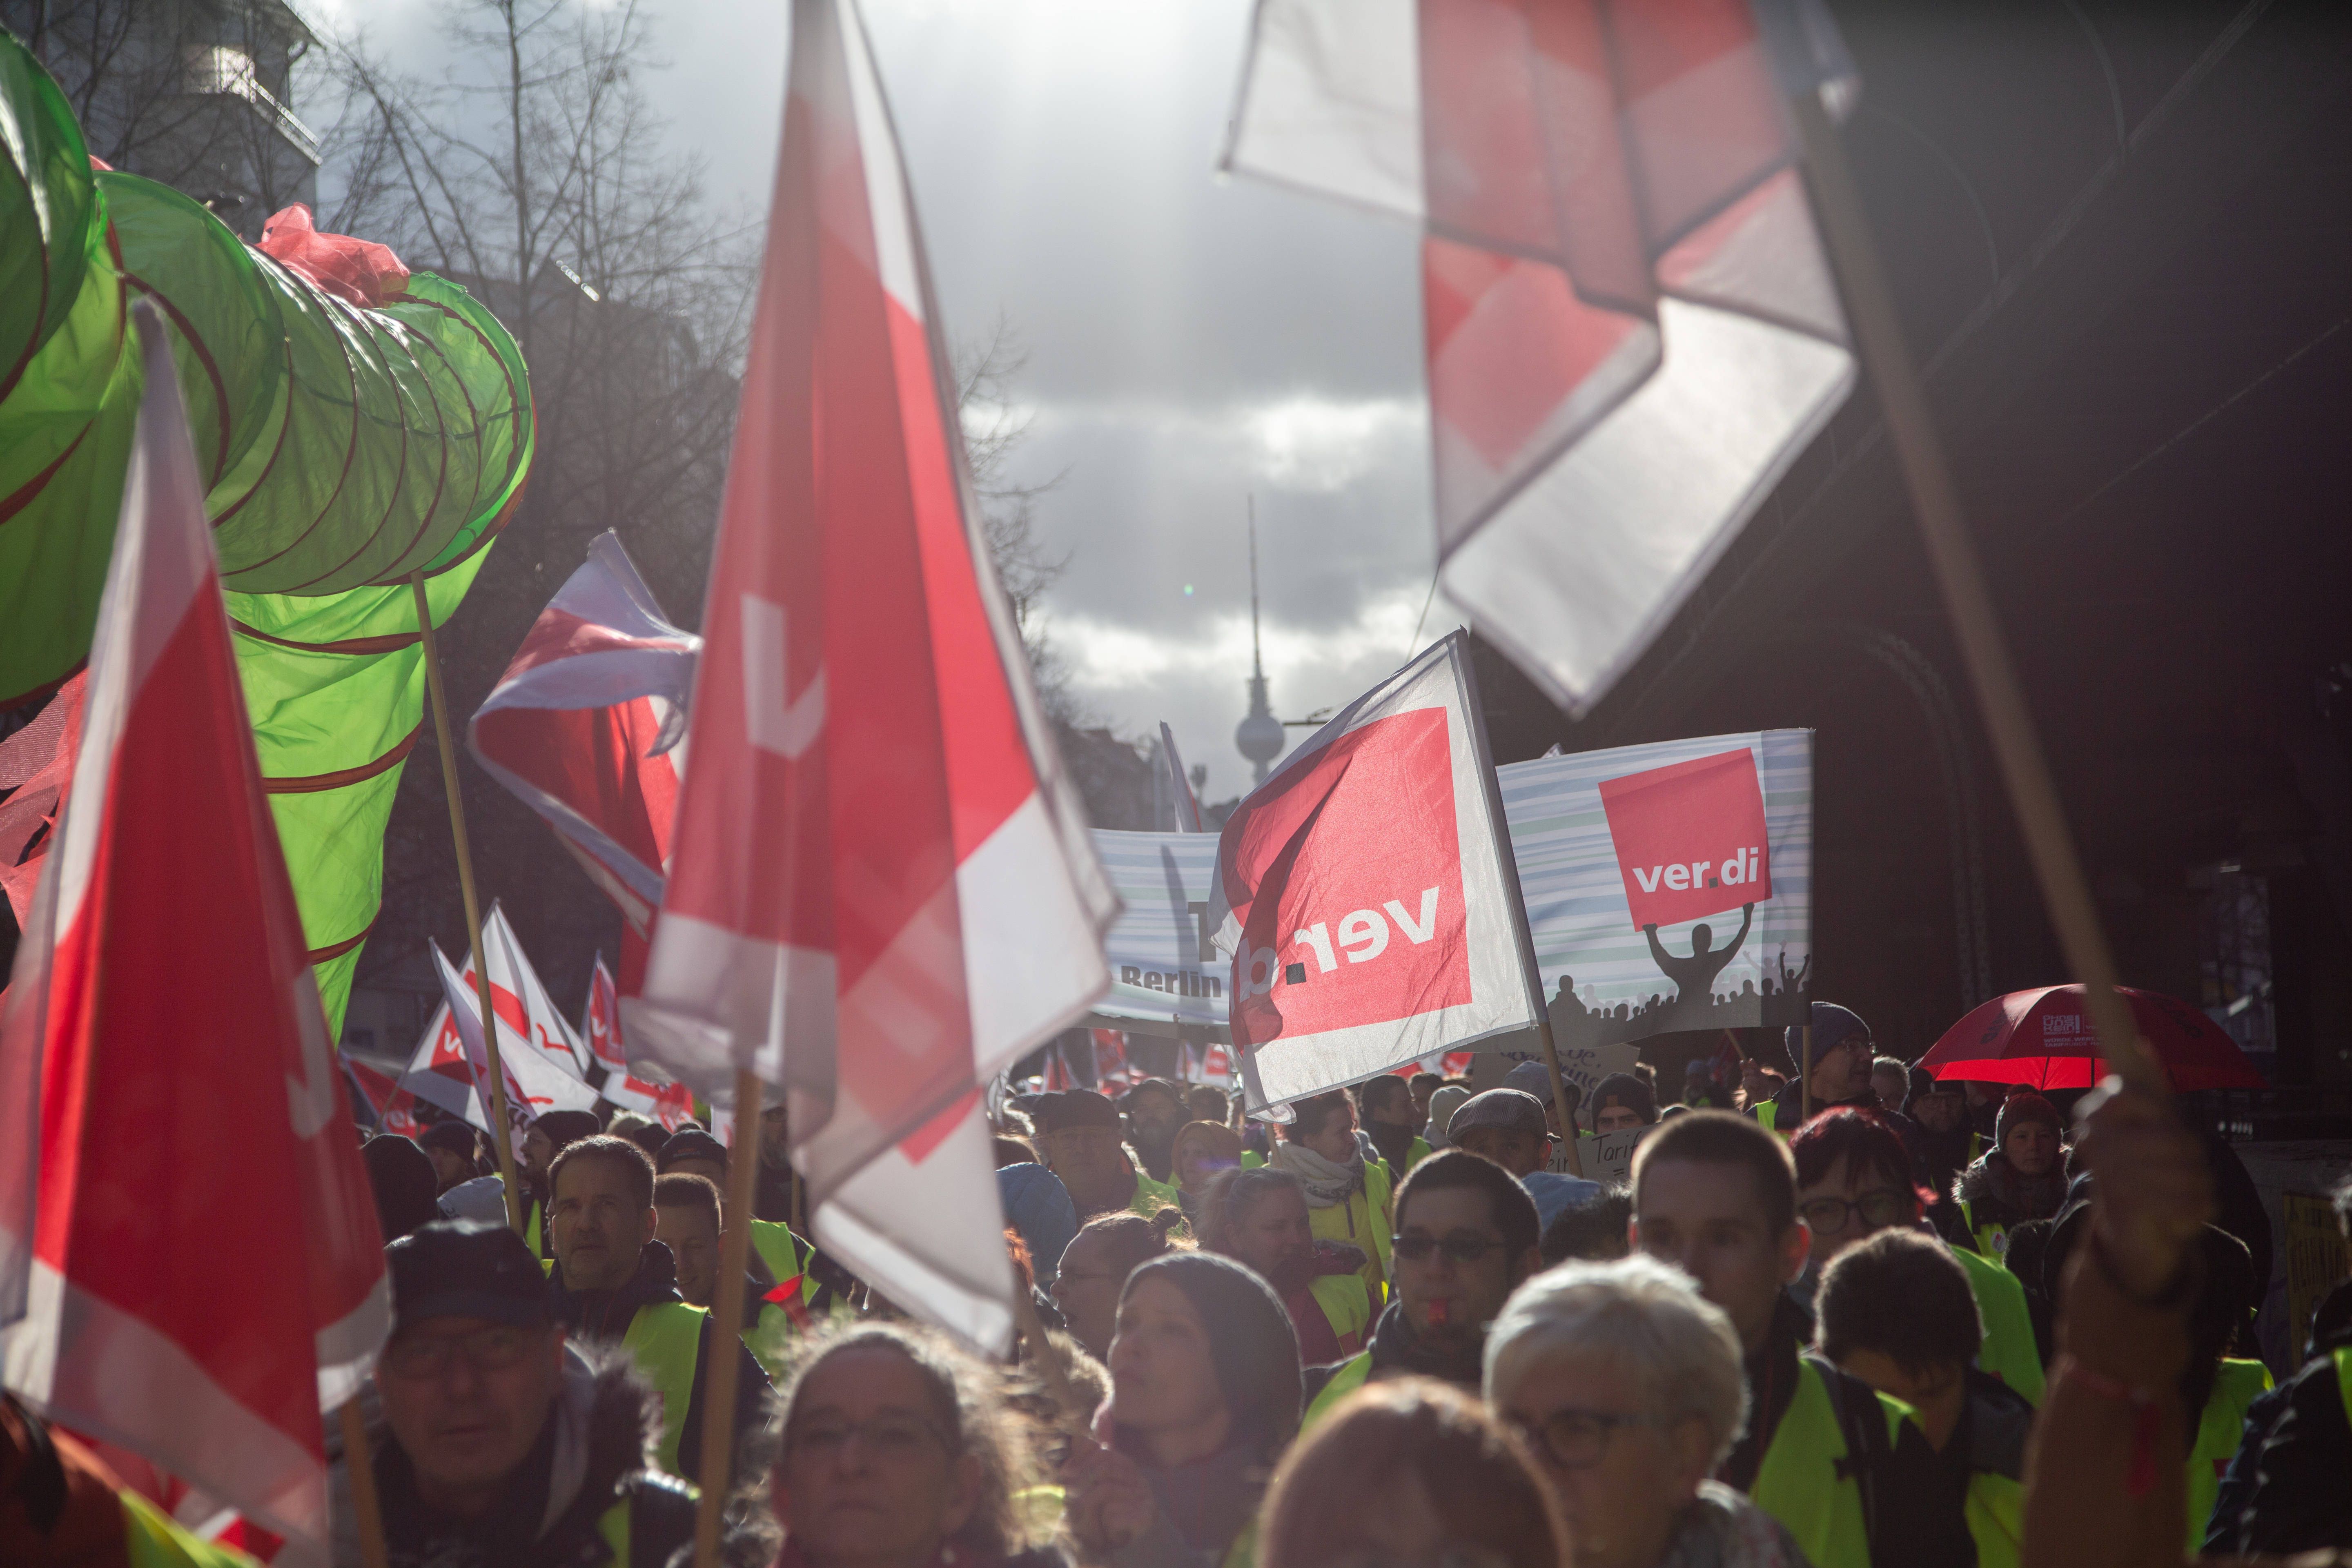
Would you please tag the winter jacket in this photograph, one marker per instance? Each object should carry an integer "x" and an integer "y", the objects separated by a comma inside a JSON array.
[
  {"x": 585, "y": 1495},
  {"x": 602, "y": 1317},
  {"x": 2289, "y": 1487}
]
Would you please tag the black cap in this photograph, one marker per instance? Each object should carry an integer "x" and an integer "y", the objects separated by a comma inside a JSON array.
[
  {"x": 1072, "y": 1108},
  {"x": 458, "y": 1268},
  {"x": 690, "y": 1144}
]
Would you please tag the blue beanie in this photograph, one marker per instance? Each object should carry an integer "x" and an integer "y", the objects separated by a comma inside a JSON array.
[{"x": 1832, "y": 1026}]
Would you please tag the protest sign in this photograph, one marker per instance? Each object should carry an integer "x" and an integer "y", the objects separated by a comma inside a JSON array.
[
  {"x": 1165, "y": 975},
  {"x": 1609, "y": 1156},
  {"x": 1669, "y": 887}
]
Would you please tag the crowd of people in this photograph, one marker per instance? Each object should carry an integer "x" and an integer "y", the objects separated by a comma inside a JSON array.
[{"x": 1924, "y": 1325}]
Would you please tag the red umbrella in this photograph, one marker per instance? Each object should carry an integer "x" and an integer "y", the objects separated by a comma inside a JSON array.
[{"x": 2044, "y": 1038}]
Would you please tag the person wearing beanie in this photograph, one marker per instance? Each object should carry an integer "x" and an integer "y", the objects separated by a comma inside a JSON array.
[
  {"x": 1622, "y": 1100},
  {"x": 454, "y": 1151},
  {"x": 1843, "y": 1055},
  {"x": 1443, "y": 1102},
  {"x": 1081, "y": 1139},
  {"x": 401, "y": 1179},
  {"x": 2023, "y": 1176},
  {"x": 1205, "y": 1393},
  {"x": 504, "y": 1441}
]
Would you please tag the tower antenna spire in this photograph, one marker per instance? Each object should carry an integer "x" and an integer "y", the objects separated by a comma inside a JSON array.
[{"x": 1259, "y": 736}]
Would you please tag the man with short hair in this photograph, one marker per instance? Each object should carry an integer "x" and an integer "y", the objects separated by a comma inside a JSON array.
[
  {"x": 550, "y": 1134},
  {"x": 1465, "y": 1238},
  {"x": 779, "y": 1253},
  {"x": 613, "y": 1280},
  {"x": 1507, "y": 1126},
  {"x": 1716, "y": 1195},
  {"x": 1078, "y": 1137},
  {"x": 686, "y": 1220},
  {"x": 1898, "y": 1312},
  {"x": 1424, "y": 1084},
  {"x": 1890, "y": 1082},
  {"x": 509, "y": 1444},
  {"x": 1154, "y": 1110},
  {"x": 1590, "y": 1230}
]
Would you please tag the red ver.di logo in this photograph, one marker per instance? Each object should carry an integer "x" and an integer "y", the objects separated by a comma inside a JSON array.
[
  {"x": 1689, "y": 837},
  {"x": 1351, "y": 870}
]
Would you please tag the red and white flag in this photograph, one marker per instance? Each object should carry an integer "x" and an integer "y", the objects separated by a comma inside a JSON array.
[
  {"x": 584, "y": 726},
  {"x": 541, "y": 1057},
  {"x": 882, "y": 889},
  {"x": 1631, "y": 331},
  {"x": 671, "y": 1104},
  {"x": 1367, "y": 892},
  {"x": 170, "y": 1105}
]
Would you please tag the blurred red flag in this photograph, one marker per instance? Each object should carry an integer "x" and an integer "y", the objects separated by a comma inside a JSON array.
[
  {"x": 883, "y": 889},
  {"x": 1630, "y": 329},
  {"x": 170, "y": 1105}
]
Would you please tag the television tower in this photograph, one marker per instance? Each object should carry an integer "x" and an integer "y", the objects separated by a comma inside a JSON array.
[{"x": 1258, "y": 737}]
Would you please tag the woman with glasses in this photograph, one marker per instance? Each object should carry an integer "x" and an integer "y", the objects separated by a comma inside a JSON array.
[
  {"x": 1854, "y": 1179},
  {"x": 897, "y": 1450},
  {"x": 1410, "y": 1472},
  {"x": 1626, "y": 1384}
]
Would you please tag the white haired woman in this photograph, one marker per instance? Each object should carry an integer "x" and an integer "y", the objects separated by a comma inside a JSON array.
[{"x": 1626, "y": 1383}]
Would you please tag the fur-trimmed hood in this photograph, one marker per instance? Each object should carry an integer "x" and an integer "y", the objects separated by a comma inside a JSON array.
[{"x": 607, "y": 1427}]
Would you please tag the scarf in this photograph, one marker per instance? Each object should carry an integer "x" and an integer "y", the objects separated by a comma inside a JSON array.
[
  {"x": 2024, "y": 1197},
  {"x": 1329, "y": 1185}
]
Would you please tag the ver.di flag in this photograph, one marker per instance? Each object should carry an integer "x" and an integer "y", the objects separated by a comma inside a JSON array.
[
  {"x": 1367, "y": 893},
  {"x": 1629, "y": 328},
  {"x": 171, "y": 1117},
  {"x": 881, "y": 891},
  {"x": 671, "y": 1104},
  {"x": 537, "y": 1049}
]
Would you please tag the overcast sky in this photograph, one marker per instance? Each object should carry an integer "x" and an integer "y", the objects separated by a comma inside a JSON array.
[{"x": 1192, "y": 340}]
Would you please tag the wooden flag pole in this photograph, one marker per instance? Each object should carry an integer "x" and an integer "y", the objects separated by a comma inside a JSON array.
[
  {"x": 503, "y": 1138},
  {"x": 367, "y": 1513},
  {"x": 726, "y": 1333},
  {"x": 1559, "y": 1090},
  {"x": 2032, "y": 792}
]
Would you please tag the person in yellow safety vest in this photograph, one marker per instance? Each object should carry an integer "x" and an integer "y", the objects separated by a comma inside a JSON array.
[
  {"x": 1849, "y": 1475},
  {"x": 898, "y": 1448},
  {"x": 615, "y": 1282},
  {"x": 1385, "y": 1106},
  {"x": 62, "y": 1504},
  {"x": 2284, "y": 1491},
  {"x": 1854, "y": 1179},
  {"x": 1079, "y": 1140},
  {"x": 691, "y": 1152},
  {"x": 2021, "y": 1177},
  {"x": 1151, "y": 1112},
  {"x": 1259, "y": 1217},
  {"x": 686, "y": 1220},
  {"x": 1466, "y": 1239},
  {"x": 1347, "y": 1195},
  {"x": 503, "y": 1441},
  {"x": 1625, "y": 1383},
  {"x": 1898, "y": 1311}
]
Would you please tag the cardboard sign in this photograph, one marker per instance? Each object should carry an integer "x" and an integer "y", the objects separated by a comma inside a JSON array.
[
  {"x": 1609, "y": 1156},
  {"x": 1690, "y": 838}
]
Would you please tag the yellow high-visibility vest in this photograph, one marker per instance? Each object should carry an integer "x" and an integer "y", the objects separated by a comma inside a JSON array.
[{"x": 665, "y": 1338}]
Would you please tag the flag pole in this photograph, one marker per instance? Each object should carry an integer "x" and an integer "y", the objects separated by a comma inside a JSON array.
[
  {"x": 726, "y": 1333},
  {"x": 503, "y": 1138},
  {"x": 367, "y": 1513},
  {"x": 2025, "y": 769},
  {"x": 1529, "y": 971},
  {"x": 1805, "y": 1077}
]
